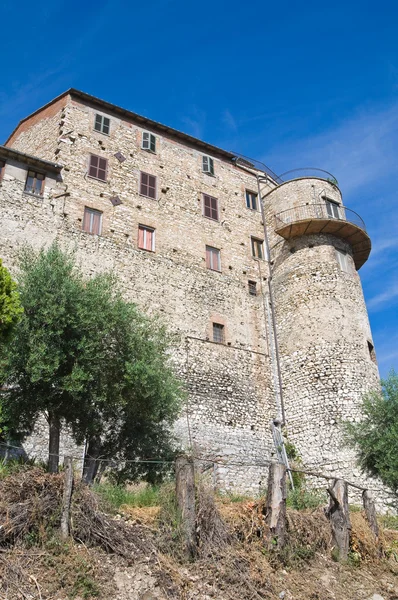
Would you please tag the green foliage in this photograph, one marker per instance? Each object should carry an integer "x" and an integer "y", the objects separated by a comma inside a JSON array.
[
  {"x": 84, "y": 355},
  {"x": 375, "y": 437},
  {"x": 116, "y": 495},
  {"x": 302, "y": 498},
  {"x": 389, "y": 521},
  {"x": 10, "y": 305}
]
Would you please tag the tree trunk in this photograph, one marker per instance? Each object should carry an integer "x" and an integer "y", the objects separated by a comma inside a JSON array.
[
  {"x": 90, "y": 461},
  {"x": 339, "y": 516},
  {"x": 185, "y": 492},
  {"x": 54, "y": 429},
  {"x": 275, "y": 509},
  {"x": 68, "y": 486}
]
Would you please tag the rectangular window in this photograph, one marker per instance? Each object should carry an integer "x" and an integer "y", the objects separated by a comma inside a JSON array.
[
  {"x": 148, "y": 141},
  {"x": 35, "y": 183},
  {"x": 343, "y": 260},
  {"x": 98, "y": 167},
  {"x": 251, "y": 200},
  {"x": 148, "y": 185},
  {"x": 218, "y": 333},
  {"x": 102, "y": 124},
  {"x": 257, "y": 248},
  {"x": 2, "y": 168},
  {"x": 208, "y": 165},
  {"x": 213, "y": 258},
  {"x": 146, "y": 238},
  {"x": 333, "y": 209},
  {"x": 210, "y": 207},
  {"x": 92, "y": 221},
  {"x": 252, "y": 288}
]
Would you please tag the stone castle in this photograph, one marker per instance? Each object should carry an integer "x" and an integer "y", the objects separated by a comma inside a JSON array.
[{"x": 256, "y": 274}]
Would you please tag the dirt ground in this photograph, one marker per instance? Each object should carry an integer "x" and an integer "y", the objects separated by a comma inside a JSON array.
[{"x": 138, "y": 554}]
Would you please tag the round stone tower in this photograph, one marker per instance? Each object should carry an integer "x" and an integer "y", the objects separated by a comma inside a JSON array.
[{"x": 326, "y": 349}]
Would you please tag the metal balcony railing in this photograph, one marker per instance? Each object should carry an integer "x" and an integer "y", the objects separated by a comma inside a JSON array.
[{"x": 309, "y": 212}]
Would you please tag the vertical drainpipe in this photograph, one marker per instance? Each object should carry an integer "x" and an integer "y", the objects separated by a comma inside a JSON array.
[{"x": 280, "y": 420}]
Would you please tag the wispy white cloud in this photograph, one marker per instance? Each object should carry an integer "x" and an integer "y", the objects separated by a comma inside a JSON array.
[
  {"x": 229, "y": 120},
  {"x": 379, "y": 301},
  {"x": 358, "y": 151},
  {"x": 195, "y": 122}
]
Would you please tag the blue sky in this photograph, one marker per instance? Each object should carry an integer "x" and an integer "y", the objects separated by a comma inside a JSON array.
[{"x": 294, "y": 84}]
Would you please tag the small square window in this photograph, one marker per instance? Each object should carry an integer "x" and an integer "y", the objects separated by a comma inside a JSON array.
[
  {"x": 344, "y": 261},
  {"x": 102, "y": 124},
  {"x": 257, "y": 248},
  {"x": 148, "y": 141},
  {"x": 146, "y": 238},
  {"x": 2, "y": 168},
  {"x": 213, "y": 258},
  {"x": 210, "y": 207},
  {"x": 98, "y": 167},
  {"x": 252, "y": 288},
  {"x": 92, "y": 221},
  {"x": 35, "y": 183},
  {"x": 208, "y": 165},
  {"x": 148, "y": 185},
  {"x": 251, "y": 200},
  {"x": 218, "y": 333},
  {"x": 332, "y": 209}
]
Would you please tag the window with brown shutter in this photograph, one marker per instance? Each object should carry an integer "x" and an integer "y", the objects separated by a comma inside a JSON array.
[
  {"x": 210, "y": 207},
  {"x": 102, "y": 124},
  {"x": 218, "y": 333},
  {"x": 98, "y": 167},
  {"x": 148, "y": 185},
  {"x": 146, "y": 238},
  {"x": 92, "y": 221},
  {"x": 2, "y": 168},
  {"x": 213, "y": 258},
  {"x": 35, "y": 183}
]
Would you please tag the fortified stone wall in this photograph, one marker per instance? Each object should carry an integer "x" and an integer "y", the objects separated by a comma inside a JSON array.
[
  {"x": 322, "y": 322},
  {"x": 230, "y": 401}
]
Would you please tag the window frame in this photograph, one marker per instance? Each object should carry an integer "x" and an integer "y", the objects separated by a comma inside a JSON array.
[
  {"x": 257, "y": 244},
  {"x": 249, "y": 193},
  {"x": 208, "y": 165},
  {"x": 98, "y": 168},
  {"x": 342, "y": 259},
  {"x": 220, "y": 328},
  {"x": 252, "y": 286},
  {"x": 145, "y": 229},
  {"x": 88, "y": 210},
  {"x": 155, "y": 187},
  {"x": 102, "y": 125},
  {"x": 217, "y": 209},
  {"x": 331, "y": 207},
  {"x": 151, "y": 141},
  {"x": 211, "y": 251},
  {"x": 35, "y": 179}
]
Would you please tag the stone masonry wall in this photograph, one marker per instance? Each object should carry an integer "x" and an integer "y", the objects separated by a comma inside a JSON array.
[
  {"x": 230, "y": 403},
  {"x": 322, "y": 322}
]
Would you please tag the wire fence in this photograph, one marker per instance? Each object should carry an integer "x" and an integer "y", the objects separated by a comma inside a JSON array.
[{"x": 113, "y": 463}]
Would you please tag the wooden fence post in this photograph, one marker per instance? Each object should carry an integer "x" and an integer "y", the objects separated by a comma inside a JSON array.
[
  {"x": 185, "y": 492},
  {"x": 370, "y": 512},
  {"x": 339, "y": 517},
  {"x": 68, "y": 486},
  {"x": 275, "y": 508}
]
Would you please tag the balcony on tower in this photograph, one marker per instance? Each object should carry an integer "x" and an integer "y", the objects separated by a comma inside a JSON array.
[{"x": 314, "y": 207}]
